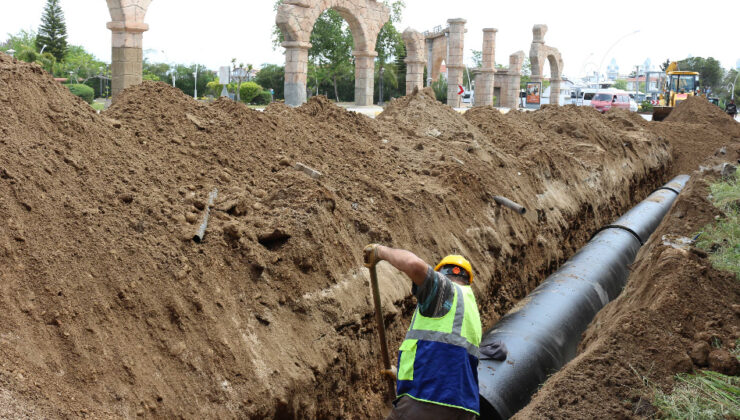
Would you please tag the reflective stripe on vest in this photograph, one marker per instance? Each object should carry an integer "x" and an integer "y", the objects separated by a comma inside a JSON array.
[{"x": 454, "y": 337}]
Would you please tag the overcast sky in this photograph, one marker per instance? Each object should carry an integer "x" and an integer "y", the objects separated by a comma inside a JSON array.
[{"x": 587, "y": 33}]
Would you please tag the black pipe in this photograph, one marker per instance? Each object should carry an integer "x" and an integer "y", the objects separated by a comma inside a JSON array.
[
  {"x": 543, "y": 330},
  {"x": 503, "y": 201},
  {"x": 198, "y": 237}
]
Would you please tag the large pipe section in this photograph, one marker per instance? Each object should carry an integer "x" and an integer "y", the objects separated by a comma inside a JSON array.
[{"x": 543, "y": 331}]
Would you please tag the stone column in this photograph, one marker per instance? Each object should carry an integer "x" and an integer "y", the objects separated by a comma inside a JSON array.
[
  {"x": 455, "y": 65},
  {"x": 127, "y": 55},
  {"x": 364, "y": 77},
  {"x": 414, "y": 75},
  {"x": 484, "y": 80},
  {"x": 296, "y": 71},
  {"x": 555, "y": 90},
  {"x": 415, "y": 53}
]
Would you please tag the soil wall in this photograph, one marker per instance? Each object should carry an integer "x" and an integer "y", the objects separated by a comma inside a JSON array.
[{"x": 111, "y": 310}]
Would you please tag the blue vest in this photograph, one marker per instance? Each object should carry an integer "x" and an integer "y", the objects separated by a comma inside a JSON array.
[{"x": 438, "y": 359}]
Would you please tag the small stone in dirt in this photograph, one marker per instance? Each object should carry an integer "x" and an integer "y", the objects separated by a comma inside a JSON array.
[
  {"x": 126, "y": 198},
  {"x": 284, "y": 161},
  {"x": 699, "y": 353},
  {"x": 191, "y": 217},
  {"x": 199, "y": 204},
  {"x": 232, "y": 231},
  {"x": 720, "y": 360}
]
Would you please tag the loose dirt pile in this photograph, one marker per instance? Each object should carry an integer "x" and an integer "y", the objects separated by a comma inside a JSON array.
[
  {"x": 694, "y": 127},
  {"x": 111, "y": 310},
  {"x": 674, "y": 308}
]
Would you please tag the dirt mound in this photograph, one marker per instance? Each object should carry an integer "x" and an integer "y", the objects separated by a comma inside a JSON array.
[
  {"x": 422, "y": 114},
  {"x": 697, "y": 110},
  {"x": 674, "y": 302},
  {"x": 111, "y": 310},
  {"x": 696, "y": 129}
]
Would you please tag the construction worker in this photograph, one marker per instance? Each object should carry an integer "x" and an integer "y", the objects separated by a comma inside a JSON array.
[{"x": 437, "y": 374}]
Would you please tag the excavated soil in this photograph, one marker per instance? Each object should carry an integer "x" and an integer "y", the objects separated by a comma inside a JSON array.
[
  {"x": 111, "y": 310},
  {"x": 693, "y": 127},
  {"x": 672, "y": 314}
]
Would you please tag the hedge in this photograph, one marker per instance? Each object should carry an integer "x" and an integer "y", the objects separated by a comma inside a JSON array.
[{"x": 83, "y": 91}]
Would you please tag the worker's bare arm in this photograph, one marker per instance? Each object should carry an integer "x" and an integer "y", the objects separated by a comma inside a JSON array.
[{"x": 405, "y": 261}]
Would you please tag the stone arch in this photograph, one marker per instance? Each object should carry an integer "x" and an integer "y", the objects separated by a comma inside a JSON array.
[
  {"x": 415, "y": 59},
  {"x": 540, "y": 53},
  {"x": 127, "y": 27},
  {"x": 447, "y": 44},
  {"x": 296, "y": 18}
]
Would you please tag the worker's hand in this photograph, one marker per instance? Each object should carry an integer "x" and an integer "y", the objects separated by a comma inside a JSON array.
[
  {"x": 392, "y": 372},
  {"x": 370, "y": 255}
]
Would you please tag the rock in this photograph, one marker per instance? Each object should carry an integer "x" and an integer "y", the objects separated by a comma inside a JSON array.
[
  {"x": 233, "y": 232},
  {"x": 193, "y": 119},
  {"x": 699, "y": 353},
  {"x": 284, "y": 161},
  {"x": 191, "y": 217},
  {"x": 727, "y": 170},
  {"x": 720, "y": 360},
  {"x": 199, "y": 204}
]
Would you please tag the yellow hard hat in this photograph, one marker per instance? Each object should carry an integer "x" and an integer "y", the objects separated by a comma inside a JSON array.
[{"x": 459, "y": 261}]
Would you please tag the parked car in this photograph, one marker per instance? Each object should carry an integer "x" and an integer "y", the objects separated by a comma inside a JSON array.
[{"x": 606, "y": 100}]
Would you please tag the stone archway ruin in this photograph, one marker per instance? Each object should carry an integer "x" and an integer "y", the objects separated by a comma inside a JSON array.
[
  {"x": 484, "y": 79},
  {"x": 415, "y": 59},
  {"x": 538, "y": 53},
  {"x": 127, "y": 27},
  {"x": 446, "y": 45},
  {"x": 296, "y": 18}
]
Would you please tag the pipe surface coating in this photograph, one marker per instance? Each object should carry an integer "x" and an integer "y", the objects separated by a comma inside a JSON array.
[{"x": 543, "y": 330}]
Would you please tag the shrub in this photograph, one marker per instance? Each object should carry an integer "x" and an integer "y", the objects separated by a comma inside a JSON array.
[
  {"x": 646, "y": 106},
  {"x": 83, "y": 91},
  {"x": 263, "y": 98},
  {"x": 440, "y": 89},
  {"x": 248, "y": 91}
]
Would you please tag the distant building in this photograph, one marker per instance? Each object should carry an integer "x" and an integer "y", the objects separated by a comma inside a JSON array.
[
  {"x": 634, "y": 82},
  {"x": 612, "y": 70}
]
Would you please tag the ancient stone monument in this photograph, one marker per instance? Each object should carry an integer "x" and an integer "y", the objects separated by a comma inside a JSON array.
[
  {"x": 484, "y": 79},
  {"x": 508, "y": 80},
  {"x": 538, "y": 53},
  {"x": 415, "y": 59},
  {"x": 447, "y": 45},
  {"x": 296, "y": 18},
  {"x": 127, "y": 25}
]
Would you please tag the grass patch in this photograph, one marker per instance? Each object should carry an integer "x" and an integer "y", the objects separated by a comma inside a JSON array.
[
  {"x": 97, "y": 106},
  {"x": 706, "y": 395},
  {"x": 721, "y": 239}
]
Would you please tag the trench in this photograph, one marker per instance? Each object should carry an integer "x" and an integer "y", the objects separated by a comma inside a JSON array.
[{"x": 360, "y": 373}]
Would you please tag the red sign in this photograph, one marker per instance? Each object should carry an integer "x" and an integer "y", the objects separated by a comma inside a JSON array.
[
  {"x": 461, "y": 90},
  {"x": 533, "y": 92}
]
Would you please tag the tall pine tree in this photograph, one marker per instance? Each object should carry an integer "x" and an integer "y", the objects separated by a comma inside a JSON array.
[{"x": 53, "y": 30}]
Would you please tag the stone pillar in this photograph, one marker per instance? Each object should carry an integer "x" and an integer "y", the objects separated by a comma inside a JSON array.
[
  {"x": 511, "y": 81},
  {"x": 455, "y": 65},
  {"x": 127, "y": 27},
  {"x": 414, "y": 75},
  {"x": 296, "y": 71},
  {"x": 415, "y": 53},
  {"x": 364, "y": 77},
  {"x": 484, "y": 80},
  {"x": 555, "y": 91}
]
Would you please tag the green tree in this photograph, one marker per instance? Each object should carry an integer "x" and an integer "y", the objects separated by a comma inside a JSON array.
[
  {"x": 665, "y": 64},
  {"x": 53, "y": 30},
  {"x": 710, "y": 71},
  {"x": 272, "y": 76},
  {"x": 477, "y": 57},
  {"x": 620, "y": 84},
  {"x": 249, "y": 91}
]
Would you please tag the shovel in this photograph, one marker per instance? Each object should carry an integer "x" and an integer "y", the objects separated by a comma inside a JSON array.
[{"x": 381, "y": 328}]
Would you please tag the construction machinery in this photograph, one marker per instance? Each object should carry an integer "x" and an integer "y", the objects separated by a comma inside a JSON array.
[{"x": 677, "y": 87}]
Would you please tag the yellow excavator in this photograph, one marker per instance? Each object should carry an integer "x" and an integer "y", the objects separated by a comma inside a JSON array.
[{"x": 679, "y": 85}]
